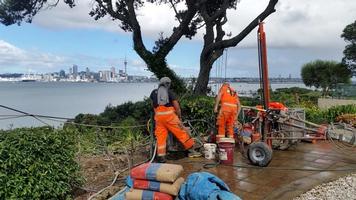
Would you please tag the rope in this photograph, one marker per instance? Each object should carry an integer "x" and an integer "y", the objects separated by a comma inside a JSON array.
[
  {"x": 33, "y": 115},
  {"x": 60, "y": 119},
  {"x": 99, "y": 126},
  {"x": 13, "y": 117}
]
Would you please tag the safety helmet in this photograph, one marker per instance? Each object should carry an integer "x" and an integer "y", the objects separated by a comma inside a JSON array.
[{"x": 164, "y": 80}]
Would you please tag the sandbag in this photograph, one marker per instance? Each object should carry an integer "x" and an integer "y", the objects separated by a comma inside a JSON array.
[
  {"x": 136, "y": 194},
  {"x": 168, "y": 188},
  {"x": 157, "y": 172}
]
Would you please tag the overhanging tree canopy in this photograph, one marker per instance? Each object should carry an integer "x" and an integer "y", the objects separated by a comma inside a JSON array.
[{"x": 196, "y": 14}]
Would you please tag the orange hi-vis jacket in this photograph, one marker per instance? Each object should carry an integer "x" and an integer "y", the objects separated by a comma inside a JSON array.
[
  {"x": 229, "y": 97},
  {"x": 228, "y": 111}
]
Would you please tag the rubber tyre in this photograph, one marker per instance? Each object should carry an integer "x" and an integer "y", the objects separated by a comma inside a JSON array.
[{"x": 259, "y": 154}]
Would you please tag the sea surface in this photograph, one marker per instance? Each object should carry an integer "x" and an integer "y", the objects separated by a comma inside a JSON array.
[{"x": 65, "y": 99}]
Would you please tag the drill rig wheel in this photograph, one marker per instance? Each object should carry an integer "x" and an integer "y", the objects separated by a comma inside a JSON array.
[{"x": 259, "y": 153}]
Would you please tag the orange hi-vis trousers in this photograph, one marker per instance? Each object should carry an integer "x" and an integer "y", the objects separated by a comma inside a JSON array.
[
  {"x": 226, "y": 119},
  {"x": 167, "y": 120}
]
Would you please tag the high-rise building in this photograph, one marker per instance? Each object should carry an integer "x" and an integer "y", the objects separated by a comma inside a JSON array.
[
  {"x": 113, "y": 72},
  {"x": 75, "y": 70},
  {"x": 62, "y": 74},
  {"x": 87, "y": 72},
  {"x": 125, "y": 63},
  {"x": 105, "y": 76},
  {"x": 70, "y": 71}
]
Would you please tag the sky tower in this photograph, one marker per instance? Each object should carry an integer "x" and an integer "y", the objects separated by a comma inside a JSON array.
[{"x": 125, "y": 63}]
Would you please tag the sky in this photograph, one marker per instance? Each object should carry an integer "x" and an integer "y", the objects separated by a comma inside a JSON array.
[{"x": 297, "y": 33}]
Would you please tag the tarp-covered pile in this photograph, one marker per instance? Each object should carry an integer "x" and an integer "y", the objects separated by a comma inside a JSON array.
[{"x": 205, "y": 186}]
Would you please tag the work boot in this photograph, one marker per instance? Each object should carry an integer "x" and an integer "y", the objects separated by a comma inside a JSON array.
[
  {"x": 192, "y": 153},
  {"x": 161, "y": 159}
]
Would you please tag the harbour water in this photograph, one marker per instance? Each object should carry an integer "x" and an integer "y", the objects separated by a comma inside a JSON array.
[{"x": 69, "y": 99}]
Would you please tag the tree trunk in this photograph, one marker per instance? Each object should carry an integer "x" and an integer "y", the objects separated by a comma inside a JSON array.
[{"x": 201, "y": 86}]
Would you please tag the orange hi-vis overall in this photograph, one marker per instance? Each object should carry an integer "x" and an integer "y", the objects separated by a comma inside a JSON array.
[
  {"x": 228, "y": 112},
  {"x": 167, "y": 120}
]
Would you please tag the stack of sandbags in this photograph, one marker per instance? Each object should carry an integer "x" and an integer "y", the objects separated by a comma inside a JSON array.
[{"x": 155, "y": 181}]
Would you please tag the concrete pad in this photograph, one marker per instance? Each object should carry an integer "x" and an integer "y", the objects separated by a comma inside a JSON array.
[{"x": 274, "y": 183}]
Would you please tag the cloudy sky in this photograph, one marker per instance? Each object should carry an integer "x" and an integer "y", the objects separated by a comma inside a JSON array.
[{"x": 298, "y": 32}]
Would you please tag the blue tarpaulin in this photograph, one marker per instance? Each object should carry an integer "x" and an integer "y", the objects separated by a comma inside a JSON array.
[{"x": 205, "y": 186}]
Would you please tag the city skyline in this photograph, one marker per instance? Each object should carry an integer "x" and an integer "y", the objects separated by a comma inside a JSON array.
[
  {"x": 122, "y": 71},
  {"x": 59, "y": 37}
]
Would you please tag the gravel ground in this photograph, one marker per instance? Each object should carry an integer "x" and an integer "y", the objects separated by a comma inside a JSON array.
[{"x": 343, "y": 188}]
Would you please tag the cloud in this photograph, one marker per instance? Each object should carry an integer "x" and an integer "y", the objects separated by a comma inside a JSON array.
[
  {"x": 14, "y": 59},
  {"x": 186, "y": 71},
  {"x": 153, "y": 19},
  {"x": 18, "y": 58},
  {"x": 312, "y": 23},
  {"x": 298, "y": 32}
]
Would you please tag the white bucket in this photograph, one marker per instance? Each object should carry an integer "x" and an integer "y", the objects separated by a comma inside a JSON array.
[{"x": 209, "y": 150}]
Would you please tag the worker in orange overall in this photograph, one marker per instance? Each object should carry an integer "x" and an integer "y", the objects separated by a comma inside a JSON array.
[
  {"x": 229, "y": 110},
  {"x": 168, "y": 118}
]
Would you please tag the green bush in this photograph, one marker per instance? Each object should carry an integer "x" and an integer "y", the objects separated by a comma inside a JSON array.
[
  {"x": 335, "y": 111},
  {"x": 250, "y": 101},
  {"x": 193, "y": 107},
  {"x": 121, "y": 139},
  {"x": 140, "y": 111},
  {"x": 317, "y": 115},
  {"x": 200, "y": 110},
  {"x": 37, "y": 163},
  {"x": 296, "y": 97},
  {"x": 95, "y": 140}
]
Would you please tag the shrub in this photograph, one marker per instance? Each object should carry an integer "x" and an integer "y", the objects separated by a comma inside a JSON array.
[
  {"x": 295, "y": 96},
  {"x": 140, "y": 111},
  {"x": 37, "y": 163},
  {"x": 335, "y": 111},
  {"x": 317, "y": 115},
  {"x": 199, "y": 108}
]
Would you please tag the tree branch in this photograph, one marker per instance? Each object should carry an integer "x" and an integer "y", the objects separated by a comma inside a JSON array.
[
  {"x": 109, "y": 9},
  {"x": 235, "y": 40},
  {"x": 136, "y": 31},
  {"x": 178, "y": 32},
  {"x": 221, "y": 11},
  {"x": 175, "y": 10},
  {"x": 220, "y": 33}
]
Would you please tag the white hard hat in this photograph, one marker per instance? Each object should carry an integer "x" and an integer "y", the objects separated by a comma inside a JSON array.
[{"x": 165, "y": 80}]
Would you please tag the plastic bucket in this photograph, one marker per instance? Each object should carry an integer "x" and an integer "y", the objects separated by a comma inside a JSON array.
[
  {"x": 209, "y": 150},
  {"x": 226, "y": 151}
]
